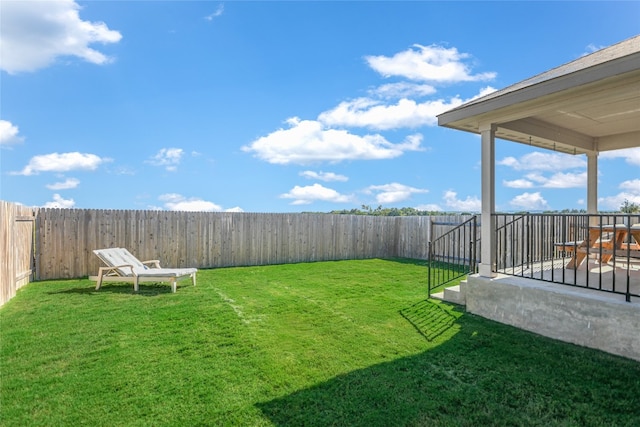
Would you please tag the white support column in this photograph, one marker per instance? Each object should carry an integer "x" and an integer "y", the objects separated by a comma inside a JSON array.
[
  {"x": 488, "y": 235},
  {"x": 592, "y": 182}
]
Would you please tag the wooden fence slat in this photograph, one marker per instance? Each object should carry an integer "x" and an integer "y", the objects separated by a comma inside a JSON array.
[
  {"x": 17, "y": 231},
  {"x": 65, "y": 238}
]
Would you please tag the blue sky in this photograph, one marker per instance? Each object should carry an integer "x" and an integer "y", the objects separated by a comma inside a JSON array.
[{"x": 285, "y": 106}]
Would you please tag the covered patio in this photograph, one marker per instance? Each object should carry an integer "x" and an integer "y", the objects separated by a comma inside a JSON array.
[{"x": 584, "y": 107}]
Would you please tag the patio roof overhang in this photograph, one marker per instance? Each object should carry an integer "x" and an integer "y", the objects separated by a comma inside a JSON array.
[{"x": 588, "y": 105}]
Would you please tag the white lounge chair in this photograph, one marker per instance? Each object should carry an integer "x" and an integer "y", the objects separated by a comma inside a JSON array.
[{"x": 122, "y": 266}]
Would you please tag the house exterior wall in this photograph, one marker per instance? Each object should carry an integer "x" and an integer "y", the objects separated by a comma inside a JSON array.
[{"x": 579, "y": 316}]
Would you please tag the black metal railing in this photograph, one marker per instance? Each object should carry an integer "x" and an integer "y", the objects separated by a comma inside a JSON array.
[
  {"x": 453, "y": 254},
  {"x": 593, "y": 251}
]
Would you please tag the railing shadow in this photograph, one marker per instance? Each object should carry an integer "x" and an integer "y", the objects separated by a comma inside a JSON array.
[
  {"x": 429, "y": 319},
  {"x": 478, "y": 376}
]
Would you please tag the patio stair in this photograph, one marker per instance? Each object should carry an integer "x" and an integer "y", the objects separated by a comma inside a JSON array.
[{"x": 453, "y": 294}]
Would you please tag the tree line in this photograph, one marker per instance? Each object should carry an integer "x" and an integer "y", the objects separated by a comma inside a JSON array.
[{"x": 626, "y": 207}]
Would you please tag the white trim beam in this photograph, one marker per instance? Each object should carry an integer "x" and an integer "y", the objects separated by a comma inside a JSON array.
[
  {"x": 551, "y": 133},
  {"x": 620, "y": 141}
]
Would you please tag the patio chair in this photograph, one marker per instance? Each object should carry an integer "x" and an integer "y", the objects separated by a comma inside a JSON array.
[{"x": 122, "y": 266}]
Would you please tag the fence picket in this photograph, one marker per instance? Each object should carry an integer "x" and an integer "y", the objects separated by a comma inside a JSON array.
[{"x": 65, "y": 238}]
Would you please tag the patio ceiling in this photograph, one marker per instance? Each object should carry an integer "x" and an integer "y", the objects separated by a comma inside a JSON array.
[{"x": 591, "y": 104}]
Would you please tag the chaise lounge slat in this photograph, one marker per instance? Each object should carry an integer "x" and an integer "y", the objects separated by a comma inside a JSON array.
[{"x": 122, "y": 266}]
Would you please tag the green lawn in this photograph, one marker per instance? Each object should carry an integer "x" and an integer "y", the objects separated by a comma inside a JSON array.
[{"x": 349, "y": 343}]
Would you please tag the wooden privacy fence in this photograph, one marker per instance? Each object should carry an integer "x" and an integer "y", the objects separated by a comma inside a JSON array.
[
  {"x": 16, "y": 248},
  {"x": 58, "y": 243},
  {"x": 66, "y": 238}
]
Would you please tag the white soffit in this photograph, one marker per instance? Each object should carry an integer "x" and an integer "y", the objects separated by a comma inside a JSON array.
[{"x": 590, "y": 104}]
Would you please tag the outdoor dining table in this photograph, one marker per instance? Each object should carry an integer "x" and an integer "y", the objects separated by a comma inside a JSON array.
[{"x": 607, "y": 241}]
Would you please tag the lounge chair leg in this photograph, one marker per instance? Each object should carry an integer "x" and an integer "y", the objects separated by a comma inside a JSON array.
[
  {"x": 174, "y": 285},
  {"x": 193, "y": 279},
  {"x": 135, "y": 284},
  {"x": 99, "y": 281}
]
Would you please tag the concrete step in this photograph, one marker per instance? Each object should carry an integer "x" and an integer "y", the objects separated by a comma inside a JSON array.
[
  {"x": 438, "y": 295},
  {"x": 454, "y": 294}
]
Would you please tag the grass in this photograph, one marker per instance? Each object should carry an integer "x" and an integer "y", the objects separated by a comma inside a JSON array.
[{"x": 349, "y": 343}]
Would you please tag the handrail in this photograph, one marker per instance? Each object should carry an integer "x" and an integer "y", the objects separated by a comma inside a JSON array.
[
  {"x": 512, "y": 221},
  {"x": 560, "y": 248},
  {"x": 454, "y": 254}
]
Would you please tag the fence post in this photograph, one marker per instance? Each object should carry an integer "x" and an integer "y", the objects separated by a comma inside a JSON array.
[{"x": 429, "y": 256}]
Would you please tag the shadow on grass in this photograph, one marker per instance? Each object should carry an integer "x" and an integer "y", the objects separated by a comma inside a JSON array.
[
  {"x": 485, "y": 373},
  {"x": 145, "y": 290},
  {"x": 412, "y": 261},
  {"x": 429, "y": 319}
]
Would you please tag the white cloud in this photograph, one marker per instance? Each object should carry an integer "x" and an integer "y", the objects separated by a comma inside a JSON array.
[
  {"x": 68, "y": 184},
  {"x": 406, "y": 113},
  {"x": 544, "y": 162},
  {"x": 402, "y": 90},
  {"x": 557, "y": 180},
  {"x": 510, "y": 161},
  {"x": 630, "y": 191},
  {"x": 427, "y": 63},
  {"x": 529, "y": 201},
  {"x": 483, "y": 92},
  {"x": 177, "y": 202},
  {"x": 34, "y": 33},
  {"x": 323, "y": 176},
  {"x": 62, "y": 162},
  {"x": 631, "y": 185},
  {"x": 124, "y": 170},
  {"x": 518, "y": 183},
  {"x": 307, "y": 141},
  {"x": 431, "y": 207},
  {"x": 592, "y": 48},
  {"x": 316, "y": 192},
  {"x": 560, "y": 180},
  {"x": 470, "y": 204},
  {"x": 9, "y": 134},
  {"x": 631, "y": 155},
  {"x": 60, "y": 203},
  {"x": 539, "y": 162},
  {"x": 615, "y": 202},
  {"x": 167, "y": 157},
  {"x": 218, "y": 12},
  {"x": 392, "y": 193},
  {"x": 236, "y": 209}
]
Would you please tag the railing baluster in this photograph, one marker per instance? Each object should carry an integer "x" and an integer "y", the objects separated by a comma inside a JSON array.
[
  {"x": 447, "y": 255},
  {"x": 544, "y": 239}
]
